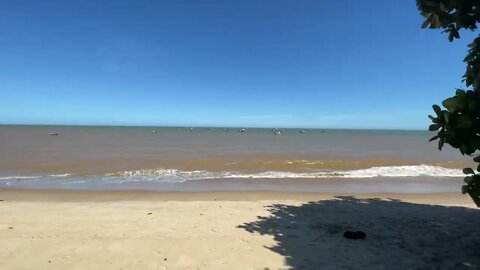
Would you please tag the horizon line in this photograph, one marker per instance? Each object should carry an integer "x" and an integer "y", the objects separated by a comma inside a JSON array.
[{"x": 199, "y": 126}]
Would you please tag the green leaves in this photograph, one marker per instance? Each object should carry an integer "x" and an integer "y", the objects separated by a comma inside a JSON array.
[
  {"x": 426, "y": 23},
  {"x": 468, "y": 171},
  {"x": 441, "y": 142},
  {"x": 433, "y": 138},
  {"x": 452, "y": 104},
  {"x": 458, "y": 102},
  {"x": 451, "y": 15},
  {"x": 437, "y": 110},
  {"x": 453, "y": 33},
  {"x": 459, "y": 124},
  {"x": 463, "y": 122},
  {"x": 472, "y": 188},
  {"x": 468, "y": 179},
  {"x": 434, "y": 127},
  {"x": 472, "y": 60}
]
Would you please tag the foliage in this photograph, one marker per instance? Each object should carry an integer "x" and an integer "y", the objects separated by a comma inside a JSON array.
[{"x": 459, "y": 123}]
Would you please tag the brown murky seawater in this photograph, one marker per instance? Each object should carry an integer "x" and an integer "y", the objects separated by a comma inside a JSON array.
[
  {"x": 100, "y": 150},
  {"x": 225, "y": 159}
]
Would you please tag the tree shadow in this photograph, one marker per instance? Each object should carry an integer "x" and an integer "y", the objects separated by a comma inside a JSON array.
[{"x": 400, "y": 235}]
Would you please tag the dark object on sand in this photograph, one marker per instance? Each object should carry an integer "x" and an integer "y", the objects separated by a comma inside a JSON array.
[
  {"x": 355, "y": 235},
  {"x": 149, "y": 213}
]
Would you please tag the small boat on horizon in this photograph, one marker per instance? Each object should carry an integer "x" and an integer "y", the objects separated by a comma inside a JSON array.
[{"x": 53, "y": 134}]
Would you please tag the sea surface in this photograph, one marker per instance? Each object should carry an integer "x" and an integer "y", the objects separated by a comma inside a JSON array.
[{"x": 209, "y": 159}]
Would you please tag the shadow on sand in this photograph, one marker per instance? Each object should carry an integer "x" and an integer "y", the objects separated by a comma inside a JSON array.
[{"x": 400, "y": 235}]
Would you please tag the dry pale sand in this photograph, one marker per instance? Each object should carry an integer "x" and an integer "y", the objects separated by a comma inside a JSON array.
[{"x": 236, "y": 230}]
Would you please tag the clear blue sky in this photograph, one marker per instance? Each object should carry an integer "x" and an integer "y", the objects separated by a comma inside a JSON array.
[{"x": 327, "y": 64}]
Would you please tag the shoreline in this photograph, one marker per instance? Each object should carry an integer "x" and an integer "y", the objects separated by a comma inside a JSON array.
[
  {"x": 413, "y": 185},
  {"x": 59, "y": 195}
]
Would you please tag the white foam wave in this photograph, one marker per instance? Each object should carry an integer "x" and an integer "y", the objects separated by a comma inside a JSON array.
[
  {"x": 26, "y": 177},
  {"x": 388, "y": 171},
  {"x": 405, "y": 171},
  {"x": 176, "y": 176},
  {"x": 19, "y": 177},
  {"x": 164, "y": 175},
  {"x": 59, "y": 175},
  {"x": 173, "y": 175}
]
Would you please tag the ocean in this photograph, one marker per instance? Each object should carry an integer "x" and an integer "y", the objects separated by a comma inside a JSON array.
[{"x": 214, "y": 159}]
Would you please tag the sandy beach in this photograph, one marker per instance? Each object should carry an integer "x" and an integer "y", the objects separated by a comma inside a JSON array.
[{"x": 235, "y": 230}]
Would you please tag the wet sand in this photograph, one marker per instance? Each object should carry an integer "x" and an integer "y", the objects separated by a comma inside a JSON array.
[
  {"x": 326, "y": 185},
  {"x": 235, "y": 230}
]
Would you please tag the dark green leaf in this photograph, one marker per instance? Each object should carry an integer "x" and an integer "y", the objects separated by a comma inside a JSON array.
[
  {"x": 452, "y": 104},
  {"x": 433, "y": 138},
  {"x": 450, "y": 36},
  {"x": 456, "y": 34},
  {"x": 434, "y": 127},
  {"x": 474, "y": 193},
  {"x": 440, "y": 144},
  {"x": 464, "y": 122},
  {"x": 467, "y": 179},
  {"x": 459, "y": 92},
  {"x": 425, "y": 24},
  {"x": 449, "y": 133},
  {"x": 446, "y": 117},
  {"x": 437, "y": 110},
  {"x": 468, "y": 171},
  {"x": 469, "y": 57},
  {"x": 442, "y": 8},
  {"x": 435, "y": 21}
]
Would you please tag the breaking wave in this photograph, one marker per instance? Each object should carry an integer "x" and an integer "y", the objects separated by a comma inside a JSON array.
[
  {"x": 26, "y": 177},
  {"x": 178, "y": 176},
  {"x": 173, "y": 175}
]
